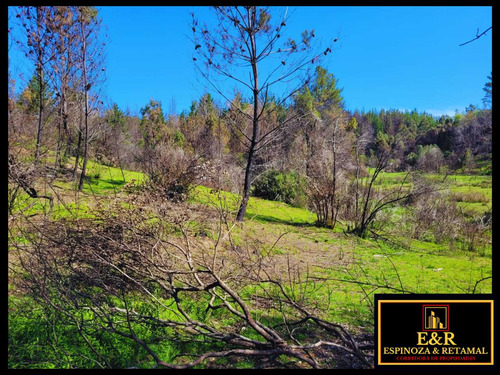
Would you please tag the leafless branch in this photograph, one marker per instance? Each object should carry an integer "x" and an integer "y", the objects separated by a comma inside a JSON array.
[
  {"x": 477, "y": 36},
  {"x": 80, "y": 266}
]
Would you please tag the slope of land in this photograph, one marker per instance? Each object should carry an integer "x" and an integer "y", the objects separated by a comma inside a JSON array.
[{"x": 342, "y": 272}]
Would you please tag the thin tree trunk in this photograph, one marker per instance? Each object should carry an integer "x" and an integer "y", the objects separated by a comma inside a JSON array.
[
  {"x": 356, "y": 198},
  {"x": 39, "y": 134},
  {"x": 246, "y": 188},
  {"x": 40, "y": 86},
  {"x": 85, "y": 157},
  {"x": 334, "y": 172},
  {"x": 64, "y": 110},
  {"x": 86, "y": 103},
  {"x": 251, "y": 152},
  {"x": 67, "y": 130},
  {"x": 61, "y": 131},
  {"x": 78, "y": 146},
  {"x": 69, "y": 135},
  {"x": 57, "y": 163}
]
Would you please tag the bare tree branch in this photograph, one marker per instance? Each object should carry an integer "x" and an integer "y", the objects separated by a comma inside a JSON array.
[{"x": 477, "y": 36}]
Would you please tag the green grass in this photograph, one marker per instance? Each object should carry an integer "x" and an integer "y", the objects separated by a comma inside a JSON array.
[
  {"x": 473, "y": 194},
  {"x": 102, "y": 182},
  {"x": 414, "y": 266},
  {"x": 356, "y": 268},
  {"x": 105, "y": 180},
  {"x": 258, "y": 210},
  {"x": 44, "y": 339}
]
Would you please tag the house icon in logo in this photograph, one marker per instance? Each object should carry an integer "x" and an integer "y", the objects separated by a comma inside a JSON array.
[{"x": 435, "y": 317}]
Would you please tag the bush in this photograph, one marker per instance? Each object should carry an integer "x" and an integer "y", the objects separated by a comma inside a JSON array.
[
  {"x": 171, "y": 171},
  {"x": 278, "y": 186},
  {"x": 469, "y": 197},
  {"x": 430, "y": 159}
]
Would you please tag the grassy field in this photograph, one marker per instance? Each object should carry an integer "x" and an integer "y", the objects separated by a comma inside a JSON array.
[
  {"x": 347, "y": 271},
  {"x": 415, "y": 266}
]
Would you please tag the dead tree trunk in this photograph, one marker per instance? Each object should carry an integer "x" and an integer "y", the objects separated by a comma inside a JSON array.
[
  {"x": 40, "y": 85},
  {"x": 255, "y": 132},
  {"x": 78, "y": 147},
  {"x": 86, "y": 87}
]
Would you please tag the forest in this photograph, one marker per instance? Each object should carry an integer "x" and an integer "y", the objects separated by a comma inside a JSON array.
[{"x": 250, "y": 231}]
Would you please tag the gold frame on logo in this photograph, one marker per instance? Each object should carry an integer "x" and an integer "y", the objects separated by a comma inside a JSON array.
[{"x": 436, "y": 302}]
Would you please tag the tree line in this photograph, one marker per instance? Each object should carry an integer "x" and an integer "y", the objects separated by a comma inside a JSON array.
[{"x": 238, "y": 142}]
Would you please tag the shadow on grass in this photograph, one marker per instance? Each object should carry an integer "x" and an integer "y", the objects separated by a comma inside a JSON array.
[
  {"x": 115, "y": 182},
  {"x": 102, "y": 183},
  {"x": 275, "y": 220}
]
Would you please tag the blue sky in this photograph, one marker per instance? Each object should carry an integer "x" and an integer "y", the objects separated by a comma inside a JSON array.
[{"x": 386, "y": 57}]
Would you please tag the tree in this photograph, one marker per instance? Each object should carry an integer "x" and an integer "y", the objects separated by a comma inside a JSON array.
[
  {"x": 34, "y": 22},
  {"x": 64, "y": 70},
  {"x": 326, "y": 143},
  {"x": 30, "y": 96},
  {"x": 170, "y": 169},
  {"x": 114, "y": 139},
  {"x": 472, "y": 137},
  {"x": 153, "y": 131},
  {"x": 321, "y": 94},
  {"x": 430, "y": 159},
  {"x": 488, "y": 92},
  {"x": 373, "y": 199},
  {"x": 91, "y": 67},
  {"x": 237, "y": 115},
  {"x": 153, "y": 128},
  {"x": 203, "y": 128},
  {"x": 246, "y": 47}
]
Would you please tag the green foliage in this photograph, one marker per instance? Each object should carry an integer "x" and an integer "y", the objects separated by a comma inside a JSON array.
[
  {"x": 488, "y": 92},
  {"x": 116, "y": 118},
  {"x": 179, "y": 138},
  {"x": 30, "y": 97},
  {"x": 305, "y": 101},
  {"x": 325, "y": 91},
  {"x": 468, "y": 161},
  {"x": 352, "y": 124},
  {"x": 152, "y": 126},
  {"x": 278, "y": 186},
  {"x": 322, "y": 94}
]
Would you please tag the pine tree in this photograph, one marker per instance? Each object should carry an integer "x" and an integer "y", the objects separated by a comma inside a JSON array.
[
  {"x": 245, "y": 41},
  {"x": 488, "y": 92}
]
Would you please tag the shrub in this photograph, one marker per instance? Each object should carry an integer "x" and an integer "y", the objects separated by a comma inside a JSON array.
[
  {"x": 437, "y": 216},
  {"x": 171, "y": 171},
  {"x": 430, "y": 159},
  {"x": 470, "y": 197},
  {"x": 278, "y": 186}
]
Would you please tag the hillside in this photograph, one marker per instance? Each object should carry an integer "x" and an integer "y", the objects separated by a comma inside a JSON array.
[
  {"x": 221, "y": 202},
  {"x": 330, "y": 272}
]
